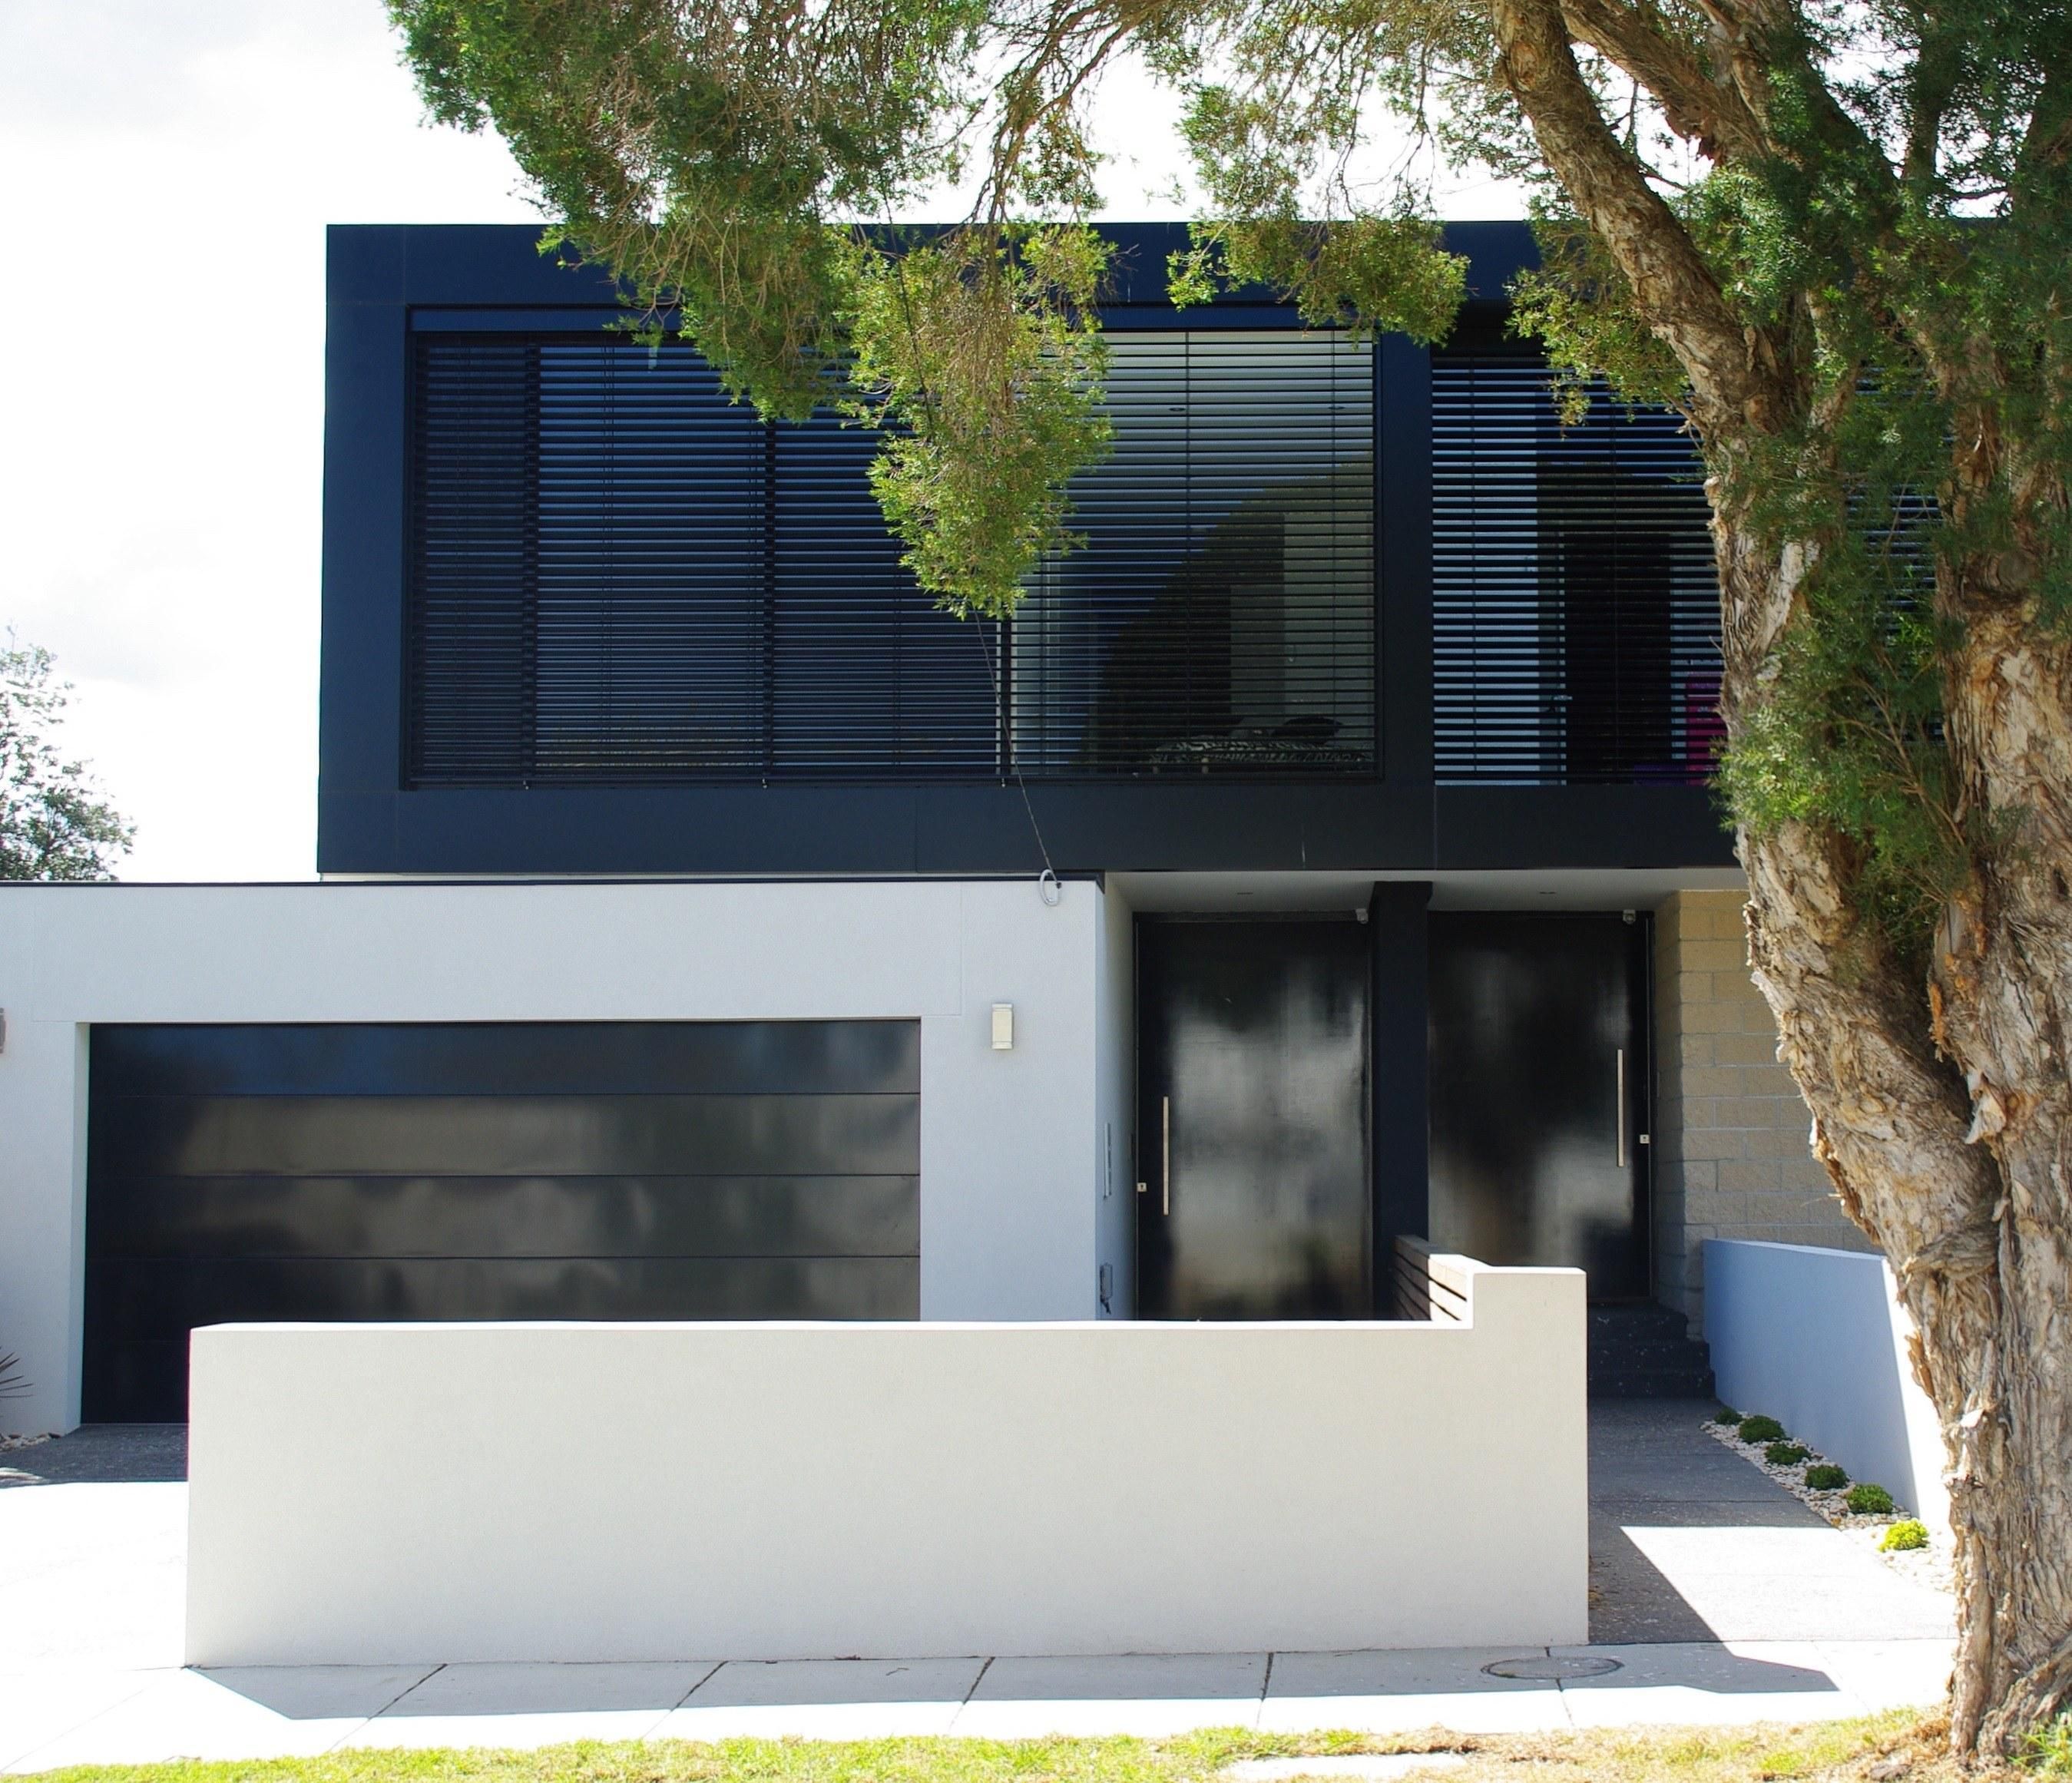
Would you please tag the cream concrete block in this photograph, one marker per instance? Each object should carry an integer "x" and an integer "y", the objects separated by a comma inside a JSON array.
[
  {"x": 1756, "y": 1018},
  {"x": 1710, "y": 1143},
  {"x": 1694, "y": 988},
  {"x": 1712, "y": 1080},
  {"x": 1751, "y": 1178},
  {"x": 1782, "y": 1138},
  {"x": 1809, "y": 1176},
  {"x": 1697, "y": 1050},
  {"x": 1708, "y": 1018},
  {"x": 1747, "y": 1048},
  {"x": 1747, "y": 1112},
  {"x": 1714, "y": 956}
]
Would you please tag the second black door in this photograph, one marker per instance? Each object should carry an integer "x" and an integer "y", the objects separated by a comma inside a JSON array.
[
  {"x": 1539, "y": 1076},
  {"x": 1255, "y": 1201}
]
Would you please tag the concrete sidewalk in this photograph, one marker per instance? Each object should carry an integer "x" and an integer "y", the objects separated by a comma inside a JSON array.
[{"x": 1717, "y": 1596}]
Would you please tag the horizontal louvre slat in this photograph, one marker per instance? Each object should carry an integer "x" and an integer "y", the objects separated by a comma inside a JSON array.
[
  {"x": 1574, "y": 603},
  {"x": 1221, "y": 617},
  {"x": 621, "y": 577},
  {"x": 872, "y": 678}
]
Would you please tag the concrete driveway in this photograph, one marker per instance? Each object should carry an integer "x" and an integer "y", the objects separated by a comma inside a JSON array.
[{"x": 1717, "y": 1598}]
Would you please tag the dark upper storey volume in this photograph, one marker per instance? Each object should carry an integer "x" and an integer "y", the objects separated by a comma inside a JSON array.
[{"x": 1341, "y": 605}]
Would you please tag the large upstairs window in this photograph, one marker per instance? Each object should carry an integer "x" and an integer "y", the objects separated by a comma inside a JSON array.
[
  {"x": 619, "y": 577},
  {"x": 1576, "y": 613},
  {"x": 1221, "y": 616}
]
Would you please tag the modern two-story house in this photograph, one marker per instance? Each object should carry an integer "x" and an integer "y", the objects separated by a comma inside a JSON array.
[{"x": 709, "y": 925}]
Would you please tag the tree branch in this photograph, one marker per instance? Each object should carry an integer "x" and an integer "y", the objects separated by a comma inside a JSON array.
[
  {"x": 1702, "y": 111},
  {"x": 1733, "y": 377}
]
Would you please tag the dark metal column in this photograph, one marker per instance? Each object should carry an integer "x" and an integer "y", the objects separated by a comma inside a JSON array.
[{"x": 1400, "y": 1011}]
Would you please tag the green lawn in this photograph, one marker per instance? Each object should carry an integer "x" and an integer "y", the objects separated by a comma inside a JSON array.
[{"x": 1836, "y": 1751}]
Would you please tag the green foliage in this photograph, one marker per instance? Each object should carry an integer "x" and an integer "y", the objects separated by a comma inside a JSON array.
[
  {"x": 984, "y": 351},
  {"x": 1908, "y": 1533},
  {"x": 1760, "y": 1429},
  {"x": 1866, "y": 1500},
  {"x": 1369, "y": 274},
  {"x": 1726, "y": 1415},
  {"x": 52, "y": 825},
  {"x": 1786, "y": 1454},
  {"x": 1825, "y": 1476},
  {"x": 2049, "y": 1751}
]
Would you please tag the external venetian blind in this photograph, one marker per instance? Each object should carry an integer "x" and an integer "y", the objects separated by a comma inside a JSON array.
[
  {"x": 1575, "y": 604},
  {"x": 618, "y": 577},
  {"x": 1221, "y": 616}
]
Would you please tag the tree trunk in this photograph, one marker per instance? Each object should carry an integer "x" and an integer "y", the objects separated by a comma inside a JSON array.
[{"x": 1942, "y": 1113}]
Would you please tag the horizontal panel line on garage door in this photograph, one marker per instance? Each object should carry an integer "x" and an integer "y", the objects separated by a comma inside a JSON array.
[
  {"x": 153, "y": 1298},
  {"x": 512, "y": 1058},
  {"x": 423, "y": 1215},
  {"x": 476, "y": 1135},
  {"x": 254, "y": 1254}
]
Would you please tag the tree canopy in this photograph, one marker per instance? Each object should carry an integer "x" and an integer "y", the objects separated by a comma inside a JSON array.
[
  {"x": 1833, "y": 233},
  {"x": 53, "y": 823}
]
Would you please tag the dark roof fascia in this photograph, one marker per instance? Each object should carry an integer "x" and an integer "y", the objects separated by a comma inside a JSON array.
[{"x": 500, "y": 266}]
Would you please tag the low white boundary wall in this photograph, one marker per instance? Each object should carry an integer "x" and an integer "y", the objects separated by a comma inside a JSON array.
[
  {"x": 1817, "y": 1339},
  {"x": 369, "y": 1493}
]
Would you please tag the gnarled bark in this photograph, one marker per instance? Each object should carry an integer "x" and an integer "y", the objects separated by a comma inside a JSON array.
[{"x": 1943, "y": 1113}]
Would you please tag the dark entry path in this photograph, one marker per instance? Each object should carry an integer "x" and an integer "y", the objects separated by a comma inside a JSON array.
[
  {"x": 1689, "y": 1542},
  {"x": 101, "y": 1455}
]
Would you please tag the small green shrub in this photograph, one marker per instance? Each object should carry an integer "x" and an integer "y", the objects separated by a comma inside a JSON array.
[
  {"x": 1866, "y": 1500},
  {"x": 2050, "y": 1748},
  {"x": 1825, "y": 1476},
  {"x": 1786, "y": 1454},
  {"x": 1726, "y": 1415},
  {"x": 1909, "y": 1532},
  {"x": 1760, "y": 1429}
]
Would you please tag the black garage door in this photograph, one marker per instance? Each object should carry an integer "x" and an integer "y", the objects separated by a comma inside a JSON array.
[{"x": 626, "y": 1170}]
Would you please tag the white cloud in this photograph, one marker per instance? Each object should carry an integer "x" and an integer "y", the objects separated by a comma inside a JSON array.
[{"x": 168, "y": 173}]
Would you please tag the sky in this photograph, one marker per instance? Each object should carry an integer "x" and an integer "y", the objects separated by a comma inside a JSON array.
[{"x": 167, "y": 168}]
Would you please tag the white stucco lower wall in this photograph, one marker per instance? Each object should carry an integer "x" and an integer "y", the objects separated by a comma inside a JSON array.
[
  {"x": 1009, "y": 1139},
  {"x": 1817, "y": 1339},
  {"x": 371, "y": 1494}
]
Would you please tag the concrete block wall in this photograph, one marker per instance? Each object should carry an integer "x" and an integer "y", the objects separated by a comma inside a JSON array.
[{"x": 1732, "y": 1159}]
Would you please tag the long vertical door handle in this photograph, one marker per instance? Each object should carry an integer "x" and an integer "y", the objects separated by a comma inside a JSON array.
[
  {"x": 1165, "y": 1154},
  {"x": 1620, "y": 1143}
]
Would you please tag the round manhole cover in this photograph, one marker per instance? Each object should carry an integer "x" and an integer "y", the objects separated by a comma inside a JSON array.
[{"x": 1539, "y": 1666}]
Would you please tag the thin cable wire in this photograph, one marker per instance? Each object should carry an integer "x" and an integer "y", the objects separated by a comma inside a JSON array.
[{"x": 1006, "y": 720}]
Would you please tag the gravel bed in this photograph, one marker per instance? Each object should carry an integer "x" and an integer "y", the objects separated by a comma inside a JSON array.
[{"x": 1931, "y": 1566}]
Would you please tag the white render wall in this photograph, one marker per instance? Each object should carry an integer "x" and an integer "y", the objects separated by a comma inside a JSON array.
[
  {"x": 367, "y": 1494},
  {"x": 1817, "y": 1339},
  {"x": 1009, "y": 1139}
]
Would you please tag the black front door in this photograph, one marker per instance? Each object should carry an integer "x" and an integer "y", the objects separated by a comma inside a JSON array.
[
  {"x": 1539, "y": 1075},
  {"x": 1254, "y": 1198}
]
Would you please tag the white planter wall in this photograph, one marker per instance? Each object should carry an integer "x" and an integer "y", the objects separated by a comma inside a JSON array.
[
  {"x": 1817, "y": 1339},
  {"x": 1010, "y": 1169},
  {"x": 370, "y": 1494}
]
